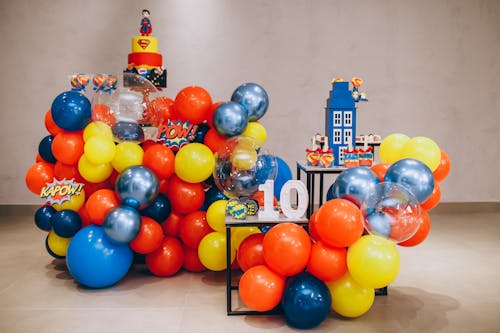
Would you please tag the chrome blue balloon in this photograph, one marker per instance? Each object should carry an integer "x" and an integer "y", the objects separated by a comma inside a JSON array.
[
  {"x": 137, "y": 186},
  {"x": 230, "y": 119},
  {"x": 122, "y": 224},
  {"x": 45, "y": 149},
  {"x": 253, "y": 98},
  {"x": 354, "y": 184},
  {"x": 71, "y": 111},
  {"x": 127, "y": 131},
  {"x": 306, "y": 301},
  {"x": 378, "y": 223},
  {"x": 414, "y": 175},
  {"x": 96, "y": 262}
]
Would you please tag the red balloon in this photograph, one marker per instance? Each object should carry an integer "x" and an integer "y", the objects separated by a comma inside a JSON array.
[
  {"x": 101, "y": 112},
  {"x": 339, "y": 223},
  {"x": 327, "y": 263},
  {"x": 164, "y": 107},
  {"x": 443, "y": 168},
  {"x": 287, "y": 247},
  {"x": 210, "y": 117},
  {"x": 50, "y": 125},
  {"x": 312, "y": 226},
  {"x": 380, "y": 170},
  {"x": 149, "y": 238},
  {"x": 172, "y": 224},
  {"x": 67, "y": 147},
  {"x": 90, "y": 188},
  {"x": 84, "y": 215},
  {"x": 167, "y": 259},
  {"x": 192, "y": 262},
  {"x": 259, "y": 197},
  {"x": 193, "y": 104},
  {"x": 148, "y": 143},
  {"x": 164, "y": 186},
  {"x": 434, "y": 199},
  {"x": 214, "y": 140},
  {"x": 38, "y": 175},
  {"x": 261, "y": 289},
  {"x": 422, "y": 232},
  {"x": 62, "y": 171},
  {"x": 160, "y": 159},
  {"x": 250, "y": 253},
  {"x": 193, "y": 227},
  {"x": 100, "y": 203},
  {"x": 185, "y": 197}
]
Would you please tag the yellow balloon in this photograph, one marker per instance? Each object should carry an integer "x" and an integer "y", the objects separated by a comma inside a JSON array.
[
  {"x": 127, "y": 154},
  {"x": 74, "y": 203},
  {"x": 194, "y": 163},
  {"x": 423, "y": 149},
  {"x": 216, "y": 214},
  {"x": 373, "y": 261},
  {"x": 243, "y": 158},
  {"x": 391, "y": 147},
  {"x": 94, "y": 173},
  {"x": 97, "y": 128},
  {"x": 349, "y": 298},
  {"x": 57, "y": 244},
  {"x": 239, "y": 234},
  {"x": 212, "y": 251},
  {"x": 99, "y": 149},
  {"x": 256, "y": 131}
]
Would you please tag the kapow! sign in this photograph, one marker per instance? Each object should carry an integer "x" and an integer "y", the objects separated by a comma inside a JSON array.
[
  {"x": 176, "y": 134},
  {"x": 60, "y": 191}
]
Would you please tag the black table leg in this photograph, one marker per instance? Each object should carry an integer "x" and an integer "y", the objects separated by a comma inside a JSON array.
[
  {"x": 228, "y": 270},
  {"x": 320, "y": 189}
]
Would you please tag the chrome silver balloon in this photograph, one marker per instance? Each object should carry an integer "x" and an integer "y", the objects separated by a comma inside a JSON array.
[
  {"x": 122, "y": 224},
  {"x": 137, "y": 186}
]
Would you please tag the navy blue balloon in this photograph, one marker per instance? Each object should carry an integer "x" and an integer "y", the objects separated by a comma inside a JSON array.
[
  {"x": 71, "y": 111},
  {"x": 159, "y": 209},
  {"x": 306, "y": 301},
  {"x": 253, "y": 98},
  {"x": 354, "y": 184},
  {"x": 42, "y": 217},
  {"x": 284, "y": 175},
  {"x": 137, "y": 186},
  {"x": 266, "y": 168},
  {"x": 66, "y": 223},
  {"x": 230, "y": 119},
  {"x": 201, "y": 131},
  {"x": 95, "y": 261},
  {"x": 329, "y": 193},
  {"x": 127, "y": 131},
  {"x": 45, "y": 149},
  {"x": 122, "y": 224},
  {"x": 414, "y": 175},
  {"x": 213, "y": 195},
  {"x": 264, "y": 228}
]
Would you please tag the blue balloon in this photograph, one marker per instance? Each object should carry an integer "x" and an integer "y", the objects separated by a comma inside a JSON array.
[
  {"x": 127, "y": 131},
  {"x": 45, "y": 149},
  {"x": 230, "y": 119},
  {"x": 66, "y": 223},
  {"x": 201, "y": 131},
  {"x": 212, "y": 195},
  {"x": 95, "y": 261},
  {"x": 244, "y": 183},
  {"x": 159, "y": 209},
  {"x": 71, "y": 111},
  {"x": 354, "y": 184},
  {"x": 137, "y": 186},
  {"x": 306, "y": 301},
  {"x": 414, "y": 175},
  {"x": 266, "y": 168},
  {"x": 42, "y": 217},
  {"x": 122, "y": 224},
  {"x": 253, "y": 98},
  {"x": 284, "y": 174},
  {"x": 379, "y": 223}
]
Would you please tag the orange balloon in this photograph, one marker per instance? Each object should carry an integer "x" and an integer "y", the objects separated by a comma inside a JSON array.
[
  {"x": 422, "y": 232},
  {"x": 167, "y": 259},
  {"x": 62, "y": 171},
  {"x": 193, "y": 227},
  {"x": 261, "y": 289},
  {"x": 50, "y": 125},
  {"x": 38, "y": 175},
  {"x": 84, "y": 215},
  {"x": 214, "y": 140},
  {"x": 259, "y": 197},
  {"x": 160, "y": 159},
  {"x": 312, "y": 226},
  {"x": 327, "y": 263},
  {"x": 171, "y": 224},
  {"x": 101, "y": 112},
  {"x": 443, "y": 168},
  {"x": 380, "y": 169},
  {"x": 193, "y": 104},
  {"x": 250, "y": 252},
  {"x": 434, "y": 199},
  {"x": 164, "y": 108},
  {"x": 192, "y": 261},
  {"x": 339, "y": 223},
  {"x": 149, "y": 238},
  {"x": 67, "y": 147},
  {"x": 287, "y": 247},
  {"x": 100, "y": 203}
]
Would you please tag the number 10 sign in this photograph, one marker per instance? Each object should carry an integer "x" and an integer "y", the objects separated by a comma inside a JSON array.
[{"x": 285, "y": 195}]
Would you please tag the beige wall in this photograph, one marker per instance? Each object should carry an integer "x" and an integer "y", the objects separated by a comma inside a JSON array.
[{"x": 431, "y": 68}]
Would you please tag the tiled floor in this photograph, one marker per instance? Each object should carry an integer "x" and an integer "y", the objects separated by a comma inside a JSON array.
[{"x": 450, "y": 283}]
